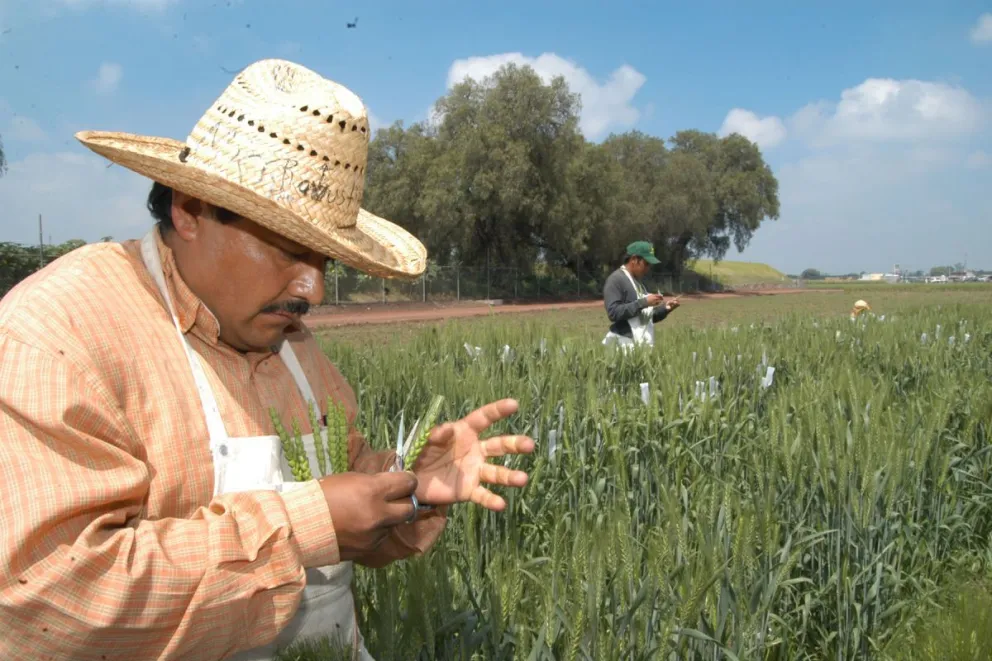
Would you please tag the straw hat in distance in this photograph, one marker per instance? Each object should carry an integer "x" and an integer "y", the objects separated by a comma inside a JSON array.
[{"x": 287, "y": 149}]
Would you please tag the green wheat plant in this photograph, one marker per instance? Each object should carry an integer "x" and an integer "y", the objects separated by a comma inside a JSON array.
[
  {"x": 420, "y": 434},
  {"x": 822, "y": 515}
]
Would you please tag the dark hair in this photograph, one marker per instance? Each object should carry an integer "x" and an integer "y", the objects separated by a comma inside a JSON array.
[{"x": 160, "y": 206}]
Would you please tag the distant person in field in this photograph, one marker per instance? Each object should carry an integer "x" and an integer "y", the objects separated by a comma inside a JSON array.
[
  {"x": 148, "y": 510},
  {"x": 860, "y": 307},
  {"x": 631, "y": 309}
]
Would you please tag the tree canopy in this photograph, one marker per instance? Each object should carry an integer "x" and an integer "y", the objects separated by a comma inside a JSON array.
[{"x": 502, "y": 173}]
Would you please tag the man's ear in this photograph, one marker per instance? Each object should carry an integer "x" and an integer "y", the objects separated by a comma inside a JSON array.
[{"x": 187, "y": 215}]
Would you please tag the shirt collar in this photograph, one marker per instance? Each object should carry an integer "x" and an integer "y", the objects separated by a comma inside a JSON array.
[{"x": 190, "y": 310}]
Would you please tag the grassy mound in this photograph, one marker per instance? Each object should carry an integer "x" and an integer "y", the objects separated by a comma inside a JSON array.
[{"x": 730, "y": 274}]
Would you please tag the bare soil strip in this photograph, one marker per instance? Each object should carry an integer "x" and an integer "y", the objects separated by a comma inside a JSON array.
[{"x": 389, "y": 313}]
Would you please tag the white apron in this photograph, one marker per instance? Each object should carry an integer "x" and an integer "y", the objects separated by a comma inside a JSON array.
[
  {"x": 253, "y": 463},
  {"x": 641, "y": 324}
]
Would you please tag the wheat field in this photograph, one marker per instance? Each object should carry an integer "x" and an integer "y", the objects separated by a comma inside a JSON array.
[{"x": 808, "y": 487}]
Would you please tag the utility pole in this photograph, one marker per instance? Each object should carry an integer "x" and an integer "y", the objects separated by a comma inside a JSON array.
[{"x": 41, "y": 245}]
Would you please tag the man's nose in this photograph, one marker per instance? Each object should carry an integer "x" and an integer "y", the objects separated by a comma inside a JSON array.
[{"x": 308, "y": 283}]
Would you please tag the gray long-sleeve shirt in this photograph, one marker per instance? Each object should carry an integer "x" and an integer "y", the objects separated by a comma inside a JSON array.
[{"x": 622, "y": 303}]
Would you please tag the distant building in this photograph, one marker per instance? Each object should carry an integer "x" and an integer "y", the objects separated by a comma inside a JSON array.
[{"x": 881, "y": 277}]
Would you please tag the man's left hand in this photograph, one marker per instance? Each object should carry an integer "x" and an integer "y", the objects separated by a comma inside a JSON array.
[
  {"x": 452, "y": 467},
  {"x": 672, "y": 304}
]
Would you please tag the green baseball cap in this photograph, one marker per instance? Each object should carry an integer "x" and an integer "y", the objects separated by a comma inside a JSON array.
[{"x": 644, "y": 250}]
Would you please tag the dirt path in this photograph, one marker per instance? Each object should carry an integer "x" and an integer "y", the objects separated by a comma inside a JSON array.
[{"x": 358, "y": 315}]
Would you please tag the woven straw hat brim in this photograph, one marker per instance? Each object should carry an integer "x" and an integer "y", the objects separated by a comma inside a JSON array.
[{"x": 373, "y": 245}]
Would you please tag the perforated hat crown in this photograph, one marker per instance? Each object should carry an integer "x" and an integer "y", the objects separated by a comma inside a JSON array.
[{"x": 287, "y": 149}]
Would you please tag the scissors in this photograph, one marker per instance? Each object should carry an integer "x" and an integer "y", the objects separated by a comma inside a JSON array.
[{"x": 402, "y": 447}]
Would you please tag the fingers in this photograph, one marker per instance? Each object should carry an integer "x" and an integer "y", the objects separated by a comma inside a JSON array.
[
  {"x": 502, "y": 475},
  {"x": 396, "y": 486},
  {"x": 486, "y": 498},
  {"x": 399, "y": 512},
  {"x": 442, "y": 433},
  {"x": 481, "y": 418},
  {"x": 502, "y": 445}
]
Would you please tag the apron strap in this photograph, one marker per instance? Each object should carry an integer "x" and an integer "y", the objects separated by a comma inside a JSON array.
[
  {"x": 215, "y": 423},
  {"x": 638, "y": 288},
  {"x": 293, "y": 364}
]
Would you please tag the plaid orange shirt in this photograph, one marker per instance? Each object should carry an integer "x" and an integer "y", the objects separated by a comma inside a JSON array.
[{"x": 112, "y": 544}]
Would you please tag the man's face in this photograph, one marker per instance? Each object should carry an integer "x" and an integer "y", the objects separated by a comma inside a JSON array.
[
  {"x": 638, "y": 267},
  {"x": 257, "y": 283}
]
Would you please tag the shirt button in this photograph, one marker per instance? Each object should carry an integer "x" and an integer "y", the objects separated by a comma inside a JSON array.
[{"x": 223, "y": 449}]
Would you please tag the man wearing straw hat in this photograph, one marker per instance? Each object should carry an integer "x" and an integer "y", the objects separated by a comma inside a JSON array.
[
  {"x": 147, "y": 510},
  {"x": 631, "y": 309}
]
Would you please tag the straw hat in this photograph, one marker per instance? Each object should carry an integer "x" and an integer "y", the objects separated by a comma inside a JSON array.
[
  {"x": 861, "y": 305},
  {"x": 287, "y": 149}
]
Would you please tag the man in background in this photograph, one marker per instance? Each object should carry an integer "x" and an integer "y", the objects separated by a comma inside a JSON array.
[{"x": 631, "y": 309}]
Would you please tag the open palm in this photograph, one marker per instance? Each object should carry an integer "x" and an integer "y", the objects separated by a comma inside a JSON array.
[{"x": 452, "y": 467}]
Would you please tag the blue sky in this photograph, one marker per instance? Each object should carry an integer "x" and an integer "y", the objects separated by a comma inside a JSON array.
[{"x": 874, "y": 116}]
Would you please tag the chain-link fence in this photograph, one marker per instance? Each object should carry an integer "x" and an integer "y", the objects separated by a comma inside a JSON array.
[{"x": 453, "y": 284}]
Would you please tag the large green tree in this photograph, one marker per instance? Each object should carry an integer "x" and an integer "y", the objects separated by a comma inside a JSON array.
[
  {"x": 502, "y": 175},
  {"x": 744, "y": 189},
  {"x": 499, "y": 180}
]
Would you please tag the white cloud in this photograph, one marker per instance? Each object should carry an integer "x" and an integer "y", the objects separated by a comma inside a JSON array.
[
  {"x": 878, "y": 110},
  {"x": 605, "y": 106},
  {"x": 77, "y": 195},
  {"x": 872, "y": 176},
  {"x": 766, "y": 132},
  {"x": 982, "y": 32},
  {"x": 868, "y": 207},
  {"x": 979, "y": 159},
  {"x": 887, "y": 109},
  {"x": 107, "y": 78}
]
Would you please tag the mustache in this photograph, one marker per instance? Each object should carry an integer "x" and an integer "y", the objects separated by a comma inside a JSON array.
[{"x": 295, "y": 307}]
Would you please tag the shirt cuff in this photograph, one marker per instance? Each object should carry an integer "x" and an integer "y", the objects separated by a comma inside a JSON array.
[{"x": 311, "y": 525}]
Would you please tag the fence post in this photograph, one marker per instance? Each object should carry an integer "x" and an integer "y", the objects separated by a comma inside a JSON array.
[
  {"x": 383, "y": 281},
  {"x": 514, "y": 283},
  {"x": 336, "y": 299},
  {"x": 458, "y": 283},
  {"x": 423, "y": 282}
]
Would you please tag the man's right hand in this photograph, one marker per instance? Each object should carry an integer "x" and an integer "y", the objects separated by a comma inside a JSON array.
[
  {"x": 365, "y": 506},
  {"x": 655, "y": 299}
]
